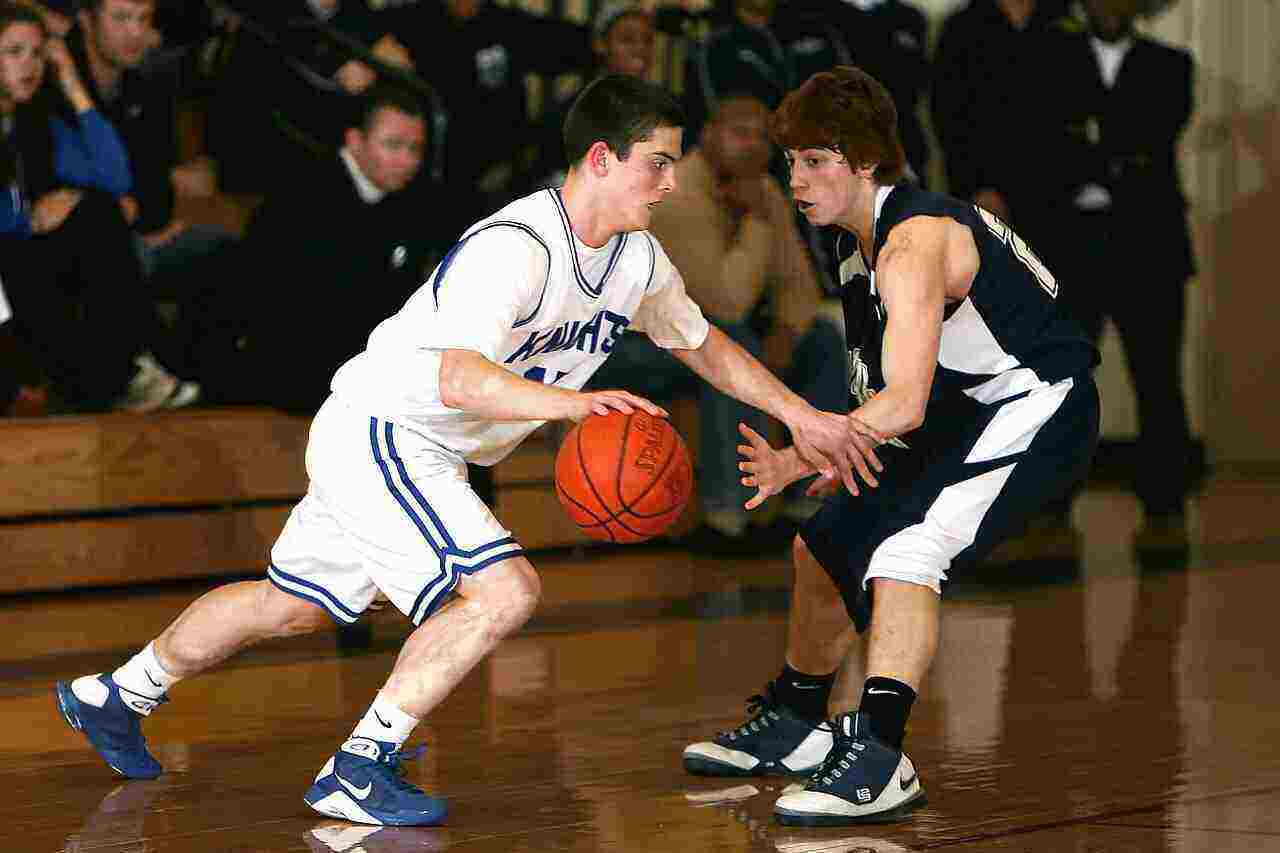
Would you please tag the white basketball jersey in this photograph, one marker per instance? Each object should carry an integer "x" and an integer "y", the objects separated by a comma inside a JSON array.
[{"x": 524, "y": 292}]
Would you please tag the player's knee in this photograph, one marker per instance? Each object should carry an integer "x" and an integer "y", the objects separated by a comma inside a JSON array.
[
  {"x": 289, "y": 615},
  {"x": 811, "y": 580},
  {"x": 511, "y": 591}
]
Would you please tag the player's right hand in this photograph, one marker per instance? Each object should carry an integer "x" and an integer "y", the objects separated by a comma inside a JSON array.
[{"x": 614, "y": 400}]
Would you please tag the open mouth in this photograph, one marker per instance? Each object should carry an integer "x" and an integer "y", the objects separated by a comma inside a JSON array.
[{"x": 803, "y": 205}]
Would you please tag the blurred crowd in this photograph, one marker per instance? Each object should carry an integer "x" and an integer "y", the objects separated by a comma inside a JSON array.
[{"x": 215, "y": 201}]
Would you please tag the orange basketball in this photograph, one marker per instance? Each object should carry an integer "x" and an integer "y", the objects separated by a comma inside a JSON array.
[{"x": 623, "y": 478}]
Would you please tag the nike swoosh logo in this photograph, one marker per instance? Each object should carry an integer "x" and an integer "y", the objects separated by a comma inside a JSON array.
[
  {"x": 385, "y": 724},
  {"x": 875, "y": 691},
  {"x": 359, "y": 793},
  {"x": 149, "y": 678},
  {"x": 904, "y": 783}
]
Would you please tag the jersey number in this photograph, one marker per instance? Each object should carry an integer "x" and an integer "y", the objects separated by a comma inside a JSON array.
[{"x": 1021, "y": 251}]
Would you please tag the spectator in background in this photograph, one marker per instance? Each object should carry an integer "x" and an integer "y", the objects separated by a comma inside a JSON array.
[
  {"x": 1122, "y": 244},
  {"x": 477, "y": 55},
  {"x": 622, "y": 37},
  {"x": 295, "y": 94},
  {"x": 743, "y": 58},
  {"x": 989, "y": 107},
  {"x": 66, "y": 254},
  {"x": 885, "y": 38},
  {"x": 110, "y": 42},
  {"x": 323, "y": 261},
  {"x": 729, "y": 229}
]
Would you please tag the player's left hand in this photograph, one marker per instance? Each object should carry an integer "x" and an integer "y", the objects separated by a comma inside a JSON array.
[
  {"x": 766, "y": 469},
  {"x": 822, "y": 439}
]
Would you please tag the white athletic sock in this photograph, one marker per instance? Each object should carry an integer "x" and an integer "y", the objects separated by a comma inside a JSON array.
[
  {"x": 386, "y": 723},
  {"x": 144, "y": 677}
]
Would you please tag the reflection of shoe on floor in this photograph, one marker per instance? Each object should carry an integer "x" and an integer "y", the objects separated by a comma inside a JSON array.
[
  {"x": 345, "y": 838},
  {"x": 720, "y": 796},
  {"x": 117, "y": 823},
  {"x": 823, "y": 842},
  {"x": 861, "y": 781},
  {"x": 774, "y": 741},
  {"x": 152, "y": 387}
]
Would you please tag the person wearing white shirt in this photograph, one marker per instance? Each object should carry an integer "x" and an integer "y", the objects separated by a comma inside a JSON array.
[{"x": 499, "y": 339}]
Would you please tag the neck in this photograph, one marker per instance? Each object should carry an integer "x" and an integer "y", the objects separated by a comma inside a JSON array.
[
  {"x": 1018, "y": 11},
  {"x": 861, "y": 222},
  {"x": 106, "y": 76},
  {"x": 587, "y": 216},
  {"x": 7, "y": 106}
]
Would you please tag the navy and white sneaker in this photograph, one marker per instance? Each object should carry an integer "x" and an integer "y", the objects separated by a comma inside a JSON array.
[
  {"x": 774, "y": 741},
  {"x": 862, "y": 780},
  {"x": 362, "y": 783},
  {"x": 107, "y": 718}
]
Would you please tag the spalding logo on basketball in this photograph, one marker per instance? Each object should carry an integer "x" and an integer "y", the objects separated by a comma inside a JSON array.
[{"x": 623, "y": 478}]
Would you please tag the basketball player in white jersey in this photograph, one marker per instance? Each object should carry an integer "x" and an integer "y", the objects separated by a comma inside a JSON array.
[{"x": 500, "y": 339}]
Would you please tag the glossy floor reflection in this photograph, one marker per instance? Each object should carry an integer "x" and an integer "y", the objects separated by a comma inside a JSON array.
[{"x": 1110, "y": 704}]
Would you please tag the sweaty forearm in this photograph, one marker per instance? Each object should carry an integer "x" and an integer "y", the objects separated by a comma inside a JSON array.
[
  {"x": 734, "y": 371},
  {"x": 473, "y": 384}
]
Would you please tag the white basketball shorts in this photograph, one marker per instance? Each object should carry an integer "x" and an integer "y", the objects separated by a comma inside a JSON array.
[{"x": 386, "y": 509}]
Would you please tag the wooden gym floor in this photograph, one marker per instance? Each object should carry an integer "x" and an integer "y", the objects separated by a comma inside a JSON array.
[{"x": 1100, "y": 704}]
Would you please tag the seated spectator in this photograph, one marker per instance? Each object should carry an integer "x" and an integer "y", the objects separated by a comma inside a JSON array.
[
  {"x": 744, "y": 57},
  {"x": 109, "y": 45},
  {"x": 294, "y": 93},
  {"x": 66, "y": 255},
  {"x": 477, "y": 55},
  {"x": 729, "y": 229},
  {"x": 323, "y": 261},
  {"x": 622, "y": 38}
]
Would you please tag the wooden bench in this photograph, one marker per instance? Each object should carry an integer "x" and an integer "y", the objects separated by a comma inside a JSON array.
[{"x": 121, "y": 499}]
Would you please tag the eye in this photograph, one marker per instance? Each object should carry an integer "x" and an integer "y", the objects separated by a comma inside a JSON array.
[{"x": 812, "y": 162}]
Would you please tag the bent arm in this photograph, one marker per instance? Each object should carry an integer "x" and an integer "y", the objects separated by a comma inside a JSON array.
[{"x": 474, "y": 384}]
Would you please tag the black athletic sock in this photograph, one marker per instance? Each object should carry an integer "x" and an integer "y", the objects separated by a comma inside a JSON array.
[
  {"x": 887, "y": 704},
  {"x": 805, "y": 695}
]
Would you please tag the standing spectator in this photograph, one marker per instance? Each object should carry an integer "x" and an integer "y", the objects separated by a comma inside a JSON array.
[
  {"x": 989, "y": 106},
  {"x": 67, "y": 255},
  {"x": 1124, "y": 245},
  {"x": 730, "y": 231}
]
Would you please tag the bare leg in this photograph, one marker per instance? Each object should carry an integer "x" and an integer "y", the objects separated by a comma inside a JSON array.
[
  {"x": 902, "y": 641},
  {"x": 490, "y": 605},
  {"x": 819, "y": 631},
  {"x": 230, "y": 618}
]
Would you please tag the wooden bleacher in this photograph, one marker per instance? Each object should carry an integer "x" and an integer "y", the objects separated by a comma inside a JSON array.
[{"x": 123, "y": 499}]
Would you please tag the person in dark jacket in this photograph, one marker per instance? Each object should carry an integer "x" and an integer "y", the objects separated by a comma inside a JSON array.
[
  {"x": 1122, "y": 241},
  {"x": 65, "y": 249}
]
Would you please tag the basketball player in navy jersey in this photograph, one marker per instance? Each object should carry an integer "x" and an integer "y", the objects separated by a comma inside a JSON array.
[{"x": 978, "y": 388}]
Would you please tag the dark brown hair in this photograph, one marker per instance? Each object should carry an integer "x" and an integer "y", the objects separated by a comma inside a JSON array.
[{"x": 848, "y": 111}]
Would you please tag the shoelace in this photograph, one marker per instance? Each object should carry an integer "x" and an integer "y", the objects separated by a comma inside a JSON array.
[
  {"x": 394, "y": 761},
  {"x": 762, "y": 708},
  {"x": 840, "y": 760}
]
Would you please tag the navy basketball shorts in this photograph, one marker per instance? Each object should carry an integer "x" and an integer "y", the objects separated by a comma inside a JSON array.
[{"x": 947, "y": 502}]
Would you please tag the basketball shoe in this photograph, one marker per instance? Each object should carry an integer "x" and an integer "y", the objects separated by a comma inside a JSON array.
[
  {"x": 861, "y": 781},
  {"x": 106, "y": 716},
  {"x": 362, "y": 783},
  {"x": 774, "y": 741}
]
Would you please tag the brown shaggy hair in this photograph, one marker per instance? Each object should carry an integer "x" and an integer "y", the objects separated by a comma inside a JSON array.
[{"x": 848, "y": 111}]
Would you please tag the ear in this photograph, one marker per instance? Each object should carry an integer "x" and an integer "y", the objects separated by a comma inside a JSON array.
[{"x": 597, "y": 159}]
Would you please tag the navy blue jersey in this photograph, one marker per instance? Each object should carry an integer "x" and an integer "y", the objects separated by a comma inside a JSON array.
[{"x": 1005, "y": 339}]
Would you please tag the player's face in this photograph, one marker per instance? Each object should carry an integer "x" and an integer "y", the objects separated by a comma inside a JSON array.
[
  {"x": 824, "y": 187},
  {"x": 122, "y": 30},
  {"x": 21, "y": 62},
  {"x": 628, "y": 48},
  {"x": 390, "y": 152},
  {"x": 645, "y": 177}
]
